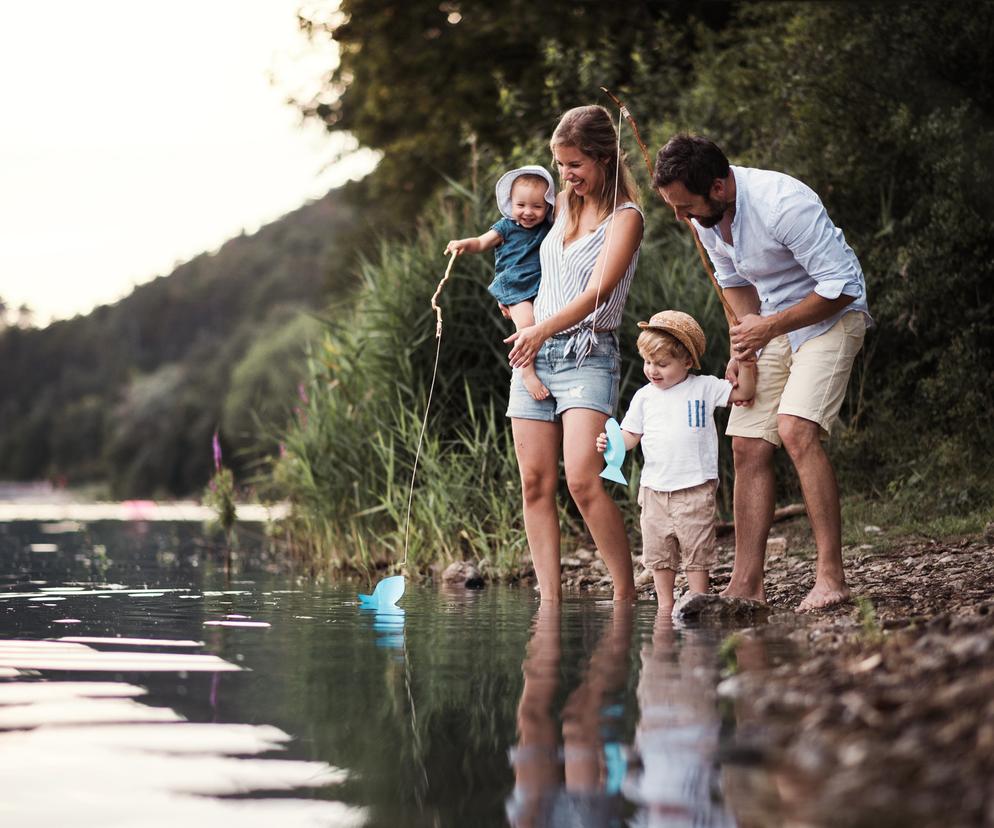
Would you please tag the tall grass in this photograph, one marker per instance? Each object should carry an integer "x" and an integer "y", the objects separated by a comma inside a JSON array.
[{"x": 348, "y": 457}]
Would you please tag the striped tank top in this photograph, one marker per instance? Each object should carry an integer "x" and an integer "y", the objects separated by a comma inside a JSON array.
[{"x": 566, "y": 271}]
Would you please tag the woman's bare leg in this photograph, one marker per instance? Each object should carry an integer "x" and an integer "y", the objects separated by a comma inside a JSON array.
[
  {"x": 523, "y": 316},
  {"x": 536, "y": 444},
  {"x": 601, "y": 514}
]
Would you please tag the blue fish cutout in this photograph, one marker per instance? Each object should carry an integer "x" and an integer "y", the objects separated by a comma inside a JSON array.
[
  {"x": 386, "y": 594},
  {"x": 614, "y": 455},
  {"x": 617, "y": 766}
]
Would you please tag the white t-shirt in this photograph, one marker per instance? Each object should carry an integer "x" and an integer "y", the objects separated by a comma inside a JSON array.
[{"x": 679, "y": 440}]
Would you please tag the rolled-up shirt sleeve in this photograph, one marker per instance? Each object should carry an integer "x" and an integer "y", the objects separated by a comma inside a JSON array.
[{"x": 803, "y": 226}]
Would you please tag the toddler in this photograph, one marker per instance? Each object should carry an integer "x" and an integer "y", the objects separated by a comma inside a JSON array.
[
  {"x": 672, "y": 418},
  {"x": 524, "y": 197}
]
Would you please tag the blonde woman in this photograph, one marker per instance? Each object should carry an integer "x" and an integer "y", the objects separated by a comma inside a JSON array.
[{"x": 588, "y": 262}]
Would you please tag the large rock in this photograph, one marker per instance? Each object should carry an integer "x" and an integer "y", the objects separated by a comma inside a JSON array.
[
  {"x": 700, "y": 606},
  {"x": 463, "y": 573}
]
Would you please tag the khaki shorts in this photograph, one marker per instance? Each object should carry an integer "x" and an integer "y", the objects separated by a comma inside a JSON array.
[
  {"x": 679, "y": 524},
  {"x": 810, "y": 383}
]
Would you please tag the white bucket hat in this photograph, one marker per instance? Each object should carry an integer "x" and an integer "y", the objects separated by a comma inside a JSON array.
[{"x": 506, "y": 181}]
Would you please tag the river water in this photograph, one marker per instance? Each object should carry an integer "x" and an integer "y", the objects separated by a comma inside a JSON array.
[{"x": 142, "y": 685}]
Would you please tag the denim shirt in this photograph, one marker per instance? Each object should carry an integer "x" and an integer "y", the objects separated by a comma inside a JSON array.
[{"x": 785, "y": 245}]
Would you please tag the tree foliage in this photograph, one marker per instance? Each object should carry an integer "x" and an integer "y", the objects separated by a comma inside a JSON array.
[
  {"x": 427, "y": 82},
  {"x": 884, "y": 109}
]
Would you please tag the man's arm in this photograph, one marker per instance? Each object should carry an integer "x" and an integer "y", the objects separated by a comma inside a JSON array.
[{"x": 754, "y": 332}]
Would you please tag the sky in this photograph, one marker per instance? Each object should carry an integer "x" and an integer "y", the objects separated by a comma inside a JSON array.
[{"x": 138, "y": 134}]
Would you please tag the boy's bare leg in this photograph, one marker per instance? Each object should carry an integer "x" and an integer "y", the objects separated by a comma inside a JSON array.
[
  {"x": 697, "y": 579},
  {"x": 663, "y": 580},
  {"x": 523, "y": 316}
]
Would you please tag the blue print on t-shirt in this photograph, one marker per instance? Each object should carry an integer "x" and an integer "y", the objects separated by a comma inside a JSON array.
[{"x": 697, "y": 414}]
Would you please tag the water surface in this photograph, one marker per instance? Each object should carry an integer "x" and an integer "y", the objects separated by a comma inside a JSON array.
[{"x": 142, "y": 685}]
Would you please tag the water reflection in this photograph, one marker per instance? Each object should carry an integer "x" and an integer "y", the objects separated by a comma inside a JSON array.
[
  {"x": 599, "y": 759},
  {"x": 578, "y": 786},
  {"x": 678, "y": 783},
  {"x": 610, "y": 720},
  {"x": 388, "y": 624}
]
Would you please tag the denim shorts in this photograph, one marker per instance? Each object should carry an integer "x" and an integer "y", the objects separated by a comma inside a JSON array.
[{"x": 593, "y": 385}]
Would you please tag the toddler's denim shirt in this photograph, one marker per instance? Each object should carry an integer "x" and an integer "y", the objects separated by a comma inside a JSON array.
[{"x": 517, "y": 267}]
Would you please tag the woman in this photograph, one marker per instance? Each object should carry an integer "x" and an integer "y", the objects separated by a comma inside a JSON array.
[{"x": 588, "y": 261}]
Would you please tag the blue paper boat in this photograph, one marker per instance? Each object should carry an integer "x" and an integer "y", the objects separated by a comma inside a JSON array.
[
  {"x": 614, "y": 455},
  {"x": 386, "y": 594}
]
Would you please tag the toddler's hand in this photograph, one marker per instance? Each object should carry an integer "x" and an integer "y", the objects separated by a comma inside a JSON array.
[
  {"x": 732, "y": 375},
  {"x": 457, "y": 246},
  {"x": 602, "y": 442}
]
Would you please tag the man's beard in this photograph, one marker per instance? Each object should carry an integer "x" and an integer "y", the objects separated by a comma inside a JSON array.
[{"x": 718, "y": 210}]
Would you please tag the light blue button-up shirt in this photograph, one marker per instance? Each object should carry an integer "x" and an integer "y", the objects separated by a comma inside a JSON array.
[{"x": 785, "y": 245}]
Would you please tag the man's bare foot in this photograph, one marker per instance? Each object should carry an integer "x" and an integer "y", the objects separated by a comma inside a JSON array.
[
  {"x": 735, "y": 591},
  {"x": 822, "y": 597},
  {"x": 533, "y": 384}
]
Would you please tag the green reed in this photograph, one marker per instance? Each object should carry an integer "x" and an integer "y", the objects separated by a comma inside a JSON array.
[{"x": 348, "y": 457}]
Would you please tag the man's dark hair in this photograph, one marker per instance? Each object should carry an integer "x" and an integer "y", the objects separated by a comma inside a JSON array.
[{"x": 693, "y": 161}]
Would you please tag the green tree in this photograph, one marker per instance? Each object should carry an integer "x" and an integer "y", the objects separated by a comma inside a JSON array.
[{"x": 426, "y": 82}]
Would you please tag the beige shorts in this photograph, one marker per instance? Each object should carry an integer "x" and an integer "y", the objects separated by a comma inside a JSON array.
[
  {"x": 810, "y": 383},
  {"x": 679, "y": 524}
]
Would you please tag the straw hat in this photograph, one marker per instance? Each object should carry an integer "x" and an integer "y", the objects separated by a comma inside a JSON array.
[
  {"x": 684, "y": 327},
  {"x": 506, "y": 182}
]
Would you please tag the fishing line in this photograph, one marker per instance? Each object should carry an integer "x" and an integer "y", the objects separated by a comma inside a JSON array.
[{"x": 431, "y": 390}]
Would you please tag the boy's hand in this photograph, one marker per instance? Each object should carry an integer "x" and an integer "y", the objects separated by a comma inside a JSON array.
[
  {"x": 732, "y": 375},
  {"x": 601, "y": 442}
]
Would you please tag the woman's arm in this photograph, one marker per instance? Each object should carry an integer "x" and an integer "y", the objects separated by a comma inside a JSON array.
[{"x": 625, "y": 234}]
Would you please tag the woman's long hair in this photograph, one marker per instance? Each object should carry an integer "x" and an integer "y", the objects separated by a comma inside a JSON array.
[{"x": 591, "y": 130}]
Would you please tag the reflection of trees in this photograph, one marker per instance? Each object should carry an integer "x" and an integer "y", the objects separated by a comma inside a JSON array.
[{"x": 574, "y": 790}]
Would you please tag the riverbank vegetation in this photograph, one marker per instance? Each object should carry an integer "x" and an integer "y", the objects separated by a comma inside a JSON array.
[
  {"x": 885, "y": 110},
  {"x": 322, "y": 320}
]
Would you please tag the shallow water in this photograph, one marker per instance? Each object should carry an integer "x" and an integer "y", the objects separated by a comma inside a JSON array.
[{"x": 140, "y": 685}]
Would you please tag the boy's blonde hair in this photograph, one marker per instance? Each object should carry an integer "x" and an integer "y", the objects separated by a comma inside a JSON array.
[{"x": 652, "y": 344}]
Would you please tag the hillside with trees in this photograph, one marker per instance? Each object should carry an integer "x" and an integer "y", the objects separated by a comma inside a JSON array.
[{"x": 130, "y": 394}]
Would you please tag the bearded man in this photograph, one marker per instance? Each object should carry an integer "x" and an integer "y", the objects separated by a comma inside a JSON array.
[{"x": 798, "y": 291}]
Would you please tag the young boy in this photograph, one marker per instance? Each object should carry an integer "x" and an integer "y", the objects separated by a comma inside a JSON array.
[
  {"x": 524, "y": 196},
  {"x": 672, "y": 418}
]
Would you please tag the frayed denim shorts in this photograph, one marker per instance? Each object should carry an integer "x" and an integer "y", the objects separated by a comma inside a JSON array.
[{"x": 593, "y": 385}]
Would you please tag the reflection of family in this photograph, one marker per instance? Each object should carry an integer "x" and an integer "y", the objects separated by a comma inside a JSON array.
[{"x": 798, "y": 291}]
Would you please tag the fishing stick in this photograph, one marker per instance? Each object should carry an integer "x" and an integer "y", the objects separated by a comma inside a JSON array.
[
  {"x": 431, "y": 390},
  {"x": 729, "y": 313}
]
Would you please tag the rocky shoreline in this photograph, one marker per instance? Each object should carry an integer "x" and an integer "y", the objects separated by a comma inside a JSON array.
[
  {"x": 878, "y": 712},
  {"x": 886, "y": 715}
]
